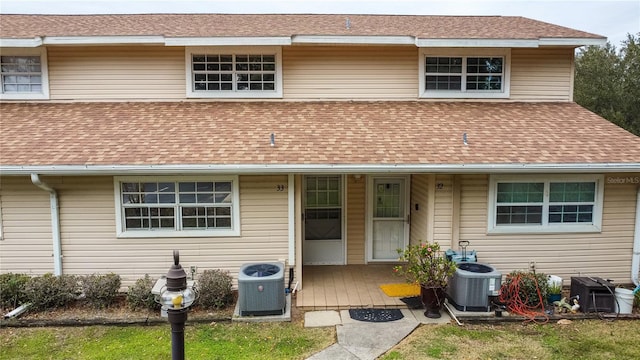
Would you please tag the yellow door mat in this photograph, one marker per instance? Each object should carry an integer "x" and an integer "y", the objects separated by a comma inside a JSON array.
[{"x": 400, "y": 290}]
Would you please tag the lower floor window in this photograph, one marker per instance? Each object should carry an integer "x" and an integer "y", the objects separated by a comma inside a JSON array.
[
  {"x": 539, "y": 204},
  {"x": 178, "y": 207}
]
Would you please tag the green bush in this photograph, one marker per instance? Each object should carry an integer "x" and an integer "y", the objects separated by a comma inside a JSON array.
[
  {"x": 49, "y": 292},
  {"x": 139, "y": 295},
  {"x": 214, "y": 289},
  {"x": 12, "y": 288},
  {"x": 522, "y": 287},
  {"x": 100, "y": 290}
]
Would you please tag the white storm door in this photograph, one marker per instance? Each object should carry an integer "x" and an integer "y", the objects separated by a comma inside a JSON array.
[
  {"x": 323, "y": 224},
  {"x": 389, "y": 222}
]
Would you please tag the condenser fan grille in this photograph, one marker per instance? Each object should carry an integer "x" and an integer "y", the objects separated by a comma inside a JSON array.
[{"x": 261, "y": 270}]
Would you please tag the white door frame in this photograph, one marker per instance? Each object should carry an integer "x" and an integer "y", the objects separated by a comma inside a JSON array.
[
  {"x": 343, "y": 193},
  {"x": 369, "y": 210}
]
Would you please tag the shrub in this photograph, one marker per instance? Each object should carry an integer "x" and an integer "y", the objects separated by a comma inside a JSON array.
[
  {"x": 139, "y": 295},
  {"x": 12, "y": 290},
  {"x": 522, "y": 288},
  {"x": 100, "y": 290},
  {"x": 48, "y": 291},
  {"x": 214, "y": 289}
]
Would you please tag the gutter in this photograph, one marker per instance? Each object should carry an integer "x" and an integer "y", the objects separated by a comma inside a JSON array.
[
  {"x": 55, "y": 222},
  {"x": 254, "y": 169},
  {"x": 635, "y": 260}
]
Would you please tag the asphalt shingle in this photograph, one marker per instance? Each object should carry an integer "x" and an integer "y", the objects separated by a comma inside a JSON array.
[
  {"x": 213, "y": 25},
  {"x": 316, "y": 133}
]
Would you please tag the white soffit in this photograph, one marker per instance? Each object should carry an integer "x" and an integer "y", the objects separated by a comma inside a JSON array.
[
  {"x": 21, "y": 43},
  {"x": 358, "y": 40},
  {"x": 231, "y": 41},
  {"x": 572, "y": 42},
  {"x": 477, "y": 43},
  {"x": 316, "y": 168},
  {"x": 102, "y": 40}
]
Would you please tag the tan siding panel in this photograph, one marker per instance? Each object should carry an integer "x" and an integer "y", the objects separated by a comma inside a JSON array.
[
  {"x": 26, "y": 245},
  {"x": 606, "y": 254},
  {"x": 119, "y": 72},
  {"x": 541, "y": 74},
  {"x": 350, "y": 72},
  {"x": 356, "y": 220},
  {"x": 89, "y": 242},
  {"x": 443, "y": 210},
  {"x": 419, "y": 198}
]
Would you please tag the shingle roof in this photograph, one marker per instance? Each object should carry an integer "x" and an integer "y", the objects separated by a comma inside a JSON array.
[
  {"x": 220, "y": 25},
  {"x": 343, "y": 133}
]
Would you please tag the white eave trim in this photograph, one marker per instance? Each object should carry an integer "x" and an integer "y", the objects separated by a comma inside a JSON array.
[
  {"x": 508, "y": 43},
  {"x": 475, "y": 43},
  {"x": 358, "y": 40},
  {"x": 102, "y": 40},
  {"x": 230, "y": 41},
  {"x": 310, "y": 168},
  {"x": 572, "y": 42},
  {"x": 297, "y": 39},
  {"x": 21, "y": 43}
]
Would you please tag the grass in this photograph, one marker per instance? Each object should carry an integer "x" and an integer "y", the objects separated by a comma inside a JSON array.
[
  {"x": 215, "y": 341},
  {"x": 587, "y": 339}
]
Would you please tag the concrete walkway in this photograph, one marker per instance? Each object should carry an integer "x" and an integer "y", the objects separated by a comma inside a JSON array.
[{"x": 359, "y": 340}]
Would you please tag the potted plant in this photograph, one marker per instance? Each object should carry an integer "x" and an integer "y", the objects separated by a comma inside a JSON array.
[
  {"x": 428, "y": 267},
  {"x": 554, "y": 292}
]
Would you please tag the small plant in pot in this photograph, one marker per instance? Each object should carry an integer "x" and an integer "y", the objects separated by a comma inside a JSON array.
[
  {"x": 554, "y": 292},
  {"x": 427, "y": 266}
]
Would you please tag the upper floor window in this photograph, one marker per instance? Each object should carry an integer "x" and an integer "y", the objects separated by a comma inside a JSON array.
[
  {"x": 545, "y": 204},
  {"x": 23, "y": 74},
  {"x": 166, "y": 206},
  {"x": 228, "y": 72},
  {"x": 458, "y": 75}
]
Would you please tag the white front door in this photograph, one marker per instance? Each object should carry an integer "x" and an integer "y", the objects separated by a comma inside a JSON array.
[
  {"x": 389, "y": 225},
  {"x": 323, "y": 225}
]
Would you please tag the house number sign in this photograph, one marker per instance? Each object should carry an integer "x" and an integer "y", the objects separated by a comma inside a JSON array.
[
  {"x": 280, "y": 187},
  {"x": 623, "y": 180}
]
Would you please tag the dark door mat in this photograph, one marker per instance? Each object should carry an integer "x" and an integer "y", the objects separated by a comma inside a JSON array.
[
  {"x": 376, "y": 315},
  {"x": 413, "y": 302}
]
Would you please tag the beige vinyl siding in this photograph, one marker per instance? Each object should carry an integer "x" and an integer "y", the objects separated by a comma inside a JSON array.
[
  {"x": 606, "y": 254},
  {"x": 88, "y": 231},
  {"x": 340, "y": 72},
  {"x": 541, "y": 74},
  {"x": 26, "y": 245},
  {"x": 419, "y": 199},
  {"x": 356, "y": 220},
  {"x": 116, "y": 72},
  {"x": 443, "y": 210}
]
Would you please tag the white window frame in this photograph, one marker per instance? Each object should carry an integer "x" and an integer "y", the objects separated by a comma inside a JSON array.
[
  {"x": 44, "y": 95},
  {"x": 235, "y": 208},
  {"x": 545, "y": 227},
  {"x": 234, "y": 50},
  {"x": 465, "y": 94}
]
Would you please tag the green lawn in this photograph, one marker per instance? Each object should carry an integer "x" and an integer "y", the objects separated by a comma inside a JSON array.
[
  {"x": 587, "y": 339},
  {"x": 216, "y": 341}
]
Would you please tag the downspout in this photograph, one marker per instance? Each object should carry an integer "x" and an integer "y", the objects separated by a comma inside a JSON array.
[
  {"x": 55, "y": 223},
  {"x": 635, "y": 262}
]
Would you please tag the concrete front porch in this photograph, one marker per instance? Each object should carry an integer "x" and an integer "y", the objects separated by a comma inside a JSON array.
[{"x": 347, "y": 287}]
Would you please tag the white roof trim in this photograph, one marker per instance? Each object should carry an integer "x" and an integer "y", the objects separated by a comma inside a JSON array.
[
  {"x": 298, "y": 39},
  {"x": 234, "y": 41},
  {"x": 308, "y": 168},
  {"x": 365, "y": 40},
  {"x": 495, "y": 43},
  {"x": 102, "y": 40},
  {"x": 572, "y": 42},
  {"x": 21, "y": 43}
]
